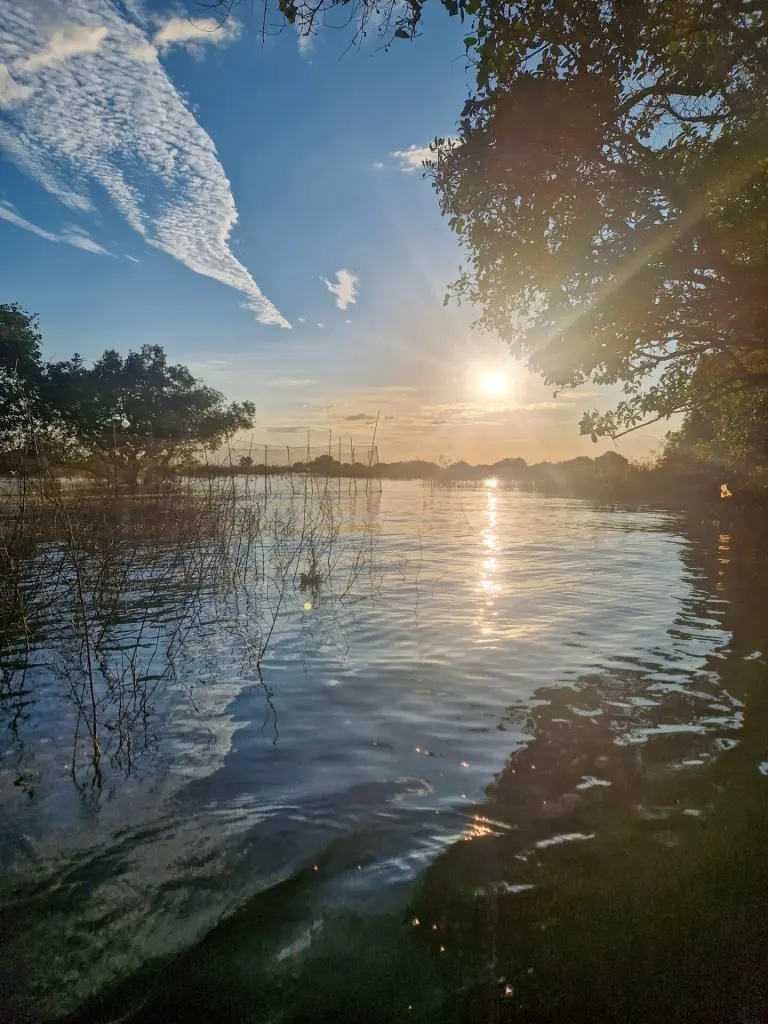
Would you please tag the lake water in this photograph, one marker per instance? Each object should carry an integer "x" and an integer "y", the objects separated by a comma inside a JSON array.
[{"x": 519, "y": 772}]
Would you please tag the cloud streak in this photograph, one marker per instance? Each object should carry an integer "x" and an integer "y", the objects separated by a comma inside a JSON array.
[
  {"x": 70, "y": 236},
  {"x": 345, "y": 288},
  {"x": 97, "y": 116}
]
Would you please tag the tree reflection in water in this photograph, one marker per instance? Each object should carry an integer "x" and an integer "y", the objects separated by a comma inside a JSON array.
[{"x": 622, "y": 873}]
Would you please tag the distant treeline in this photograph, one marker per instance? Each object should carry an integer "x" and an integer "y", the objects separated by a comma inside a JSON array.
[{"x": 676, "y": 478}]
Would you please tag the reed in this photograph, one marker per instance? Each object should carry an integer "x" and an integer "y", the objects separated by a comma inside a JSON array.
[{"x": 108, "y": 595}]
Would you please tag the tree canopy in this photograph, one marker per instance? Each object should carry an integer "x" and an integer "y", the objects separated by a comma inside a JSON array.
[
  {"x": 610, "y": 186},
  {"x": 20, "y": 357},
  {"x": 139, "y": 411}
]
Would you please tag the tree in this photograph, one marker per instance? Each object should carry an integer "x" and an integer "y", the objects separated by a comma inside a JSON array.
[
  {"x": 730, "y": 438},
  {"x": 20, "y": 371},
  {"x": 141, "y": 413},
  {"x": 610, "y": 185}
]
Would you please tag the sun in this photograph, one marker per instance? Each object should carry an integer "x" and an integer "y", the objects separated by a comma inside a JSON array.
[{"x": 494, "y": 383}]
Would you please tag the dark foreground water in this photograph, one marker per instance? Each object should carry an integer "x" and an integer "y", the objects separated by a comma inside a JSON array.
[{"x": 524, "y": 777}]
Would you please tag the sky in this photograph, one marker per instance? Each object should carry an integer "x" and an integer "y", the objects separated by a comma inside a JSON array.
[{"x": 258, "y": 208}]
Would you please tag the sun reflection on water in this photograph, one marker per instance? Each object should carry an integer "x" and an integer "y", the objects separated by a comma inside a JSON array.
[{"x": 488, "y": 584}]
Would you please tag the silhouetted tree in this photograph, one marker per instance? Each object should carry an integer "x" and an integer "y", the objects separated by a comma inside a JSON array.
[
  {"x": 611, "y": 189},
  {"x": 143, "y": 413}
]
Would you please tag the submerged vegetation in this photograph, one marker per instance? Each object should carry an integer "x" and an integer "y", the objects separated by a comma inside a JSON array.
[{"x": 110, "y": 599}]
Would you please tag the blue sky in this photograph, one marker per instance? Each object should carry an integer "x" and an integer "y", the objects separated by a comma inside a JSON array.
[{"x": 161, "y": 183}]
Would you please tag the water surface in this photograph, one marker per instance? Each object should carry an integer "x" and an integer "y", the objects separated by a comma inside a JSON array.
[{"x": 521, "y": 775}]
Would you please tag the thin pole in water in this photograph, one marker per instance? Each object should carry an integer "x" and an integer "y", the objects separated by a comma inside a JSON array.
[{"x": 373, "y": 445}]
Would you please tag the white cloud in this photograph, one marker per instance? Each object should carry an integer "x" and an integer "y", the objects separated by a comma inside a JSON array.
[
  {"x": 304, "y": 41},
  {"x": 82, "y": 240},
  {"x": 345, "y": 288},
  {"x": 70, "y": 41},
  {"x": 301, "y": 319},
  {"x": 191, "y": 33},
  {"x": 101, "y": 118},
  {"x": 319, "y": 325},
  {"x": 9, "y": 214},
  {"x": 412, "y": 158},
  {"x": 11, "y": 91},
  {"x": 378, "y": 165},
  {"x": 144, "y": 51},
  {"x": 131, "y": 258},
  {"x": 34, "y": 163},
  {"x": 70, "y": 235}
]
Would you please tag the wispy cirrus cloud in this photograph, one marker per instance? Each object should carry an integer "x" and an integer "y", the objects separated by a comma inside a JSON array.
[
  {"x": 304, "y": 40},
  {"x": 82, "y": 240},
  {"x": 96, "y": 115},
  {"x": 70, "y": 235},
  {"x": 8, "y": 213},
  {"x": 345, "y": 288}
]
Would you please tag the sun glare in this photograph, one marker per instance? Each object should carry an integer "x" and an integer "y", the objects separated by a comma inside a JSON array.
[{"x": 495, "y": 383}]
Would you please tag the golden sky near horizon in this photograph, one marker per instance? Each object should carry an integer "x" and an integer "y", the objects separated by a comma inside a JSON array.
[{"x": 440, "y": 390}]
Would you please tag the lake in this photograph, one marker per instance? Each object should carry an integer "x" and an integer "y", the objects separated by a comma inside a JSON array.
[{"x": 515, "y": 769}]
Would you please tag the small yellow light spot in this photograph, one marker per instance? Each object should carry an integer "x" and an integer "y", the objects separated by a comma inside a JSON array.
[
  {"x": 508, "y": 990},
  {"x": 442, "y": 949},
  {"x": 434, "y": 927},
  {"x": 314, "y": 868},
  {"x": 417, "y": 749},
  {"x": 416, "y": 922},
  {"x": 307, "y": 606},
  {"x": 724, "y": 492},
  {"x": 465, "y": 764},
  {"x": 463, "y": 796}
]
